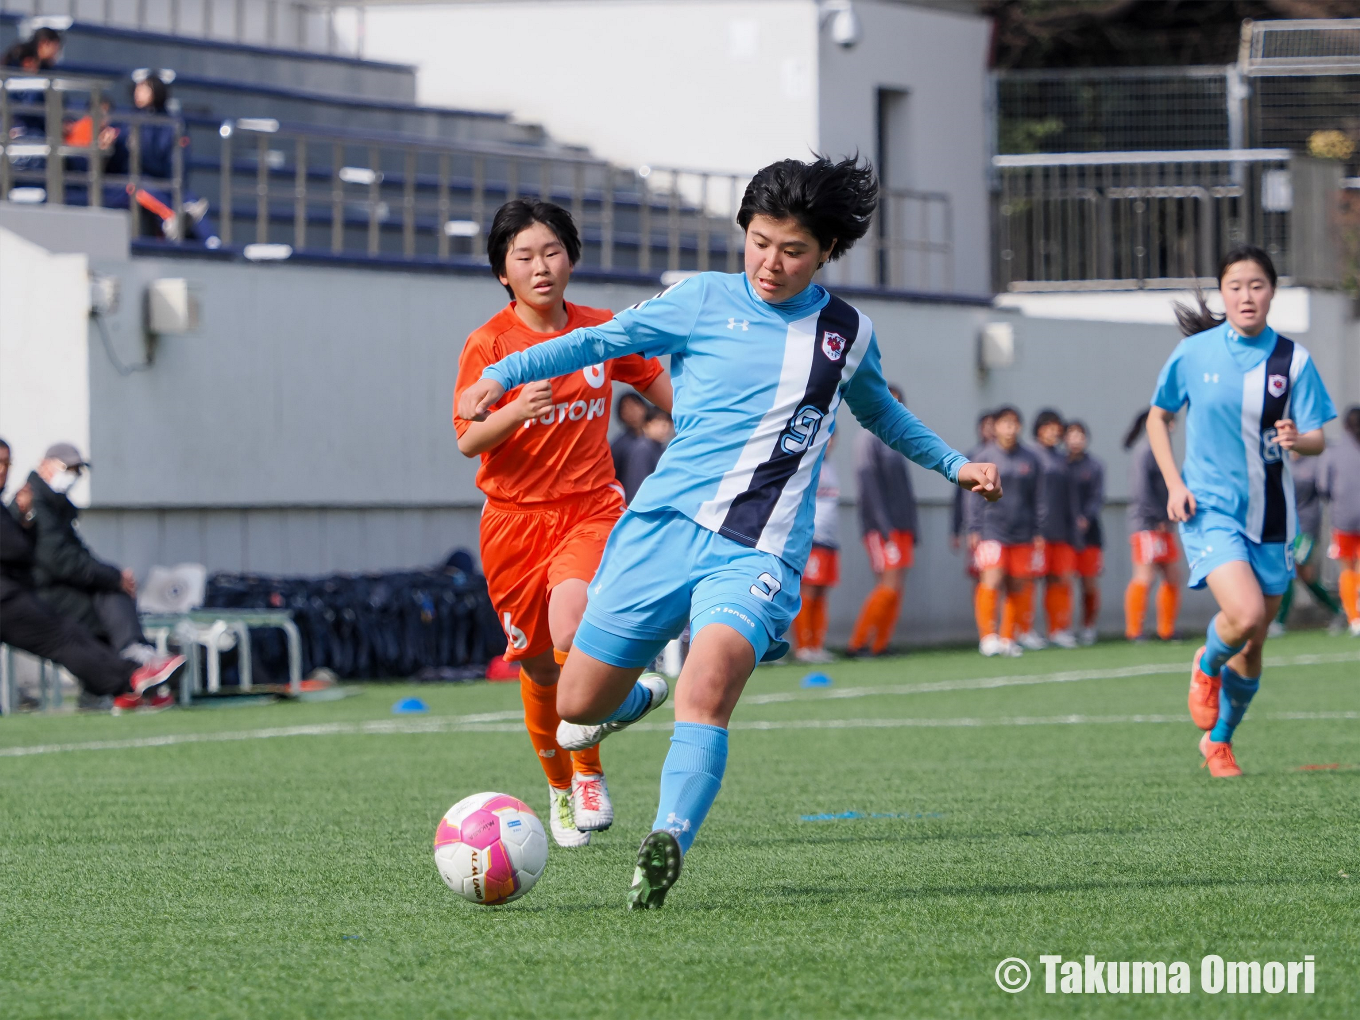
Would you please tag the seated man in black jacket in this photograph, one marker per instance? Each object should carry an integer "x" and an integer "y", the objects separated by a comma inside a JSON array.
[{"x": 29, "y": 624}]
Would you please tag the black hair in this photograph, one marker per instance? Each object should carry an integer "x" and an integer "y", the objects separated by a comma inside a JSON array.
[
  {"x": 986, "y": 416},
  {"x": 628, "y": 398},
  {"x": 1198, "y": 319},
  {"x": 896, "y": 391},
  {"x": 160, "y": 92},
  {"x": 46, "y": 34},
  {"x": 1047, "y": 416},
  {"x": 6, "y": 445},
  {"x": 1077, "y": 423},
  {"x": 519, "y": 213},
  {"x": 19, "y": 52},
  {"x": 1006, "y": 409},
  {"x": 1135, "y": 431},
  {"x": 1351, "y": 422},
  {"x": 834, "y": 202}
]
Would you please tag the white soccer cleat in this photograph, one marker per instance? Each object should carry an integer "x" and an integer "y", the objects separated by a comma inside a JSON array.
[
  {"x": 1276, "y": 629},
  {"x": 1063, "y": 639},
  {"x": 590, "y": 803},
  {"x": 991, "y": 646},
  {"x": 814, "y": 656},
  {"x": 1355, "y": 628},
  {"x": 577, "y": 737},
  {"x": 562, "y": 820},
  {"x": 1087, "y": 637},
  {"x": 1010, "y": 649},
  {"x": 1029, "y": 639}
]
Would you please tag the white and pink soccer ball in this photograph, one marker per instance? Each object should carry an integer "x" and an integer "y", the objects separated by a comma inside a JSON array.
[{"x": 490, "y": 848}]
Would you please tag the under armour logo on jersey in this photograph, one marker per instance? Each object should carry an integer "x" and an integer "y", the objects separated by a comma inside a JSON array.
[
  {"x": 733, "y": 323},
  {"x": 1211, "y": 377},
  {"x": 833, "y": 345},
  {"x": 1276, "y": 384}
]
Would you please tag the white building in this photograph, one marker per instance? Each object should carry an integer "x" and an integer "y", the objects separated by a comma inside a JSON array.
[{"x": 728, "y": 85}]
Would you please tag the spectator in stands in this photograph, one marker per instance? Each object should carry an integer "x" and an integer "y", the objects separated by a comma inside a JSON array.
[
  {"x": 29, "y": 120},
  {"x": 47, "y": 45},
  {"x": 69, "y": 577},
  {"x": 157, "y": 143},
  {"x": 29, "y": 624},
  {"x": 632, "y": 415}
]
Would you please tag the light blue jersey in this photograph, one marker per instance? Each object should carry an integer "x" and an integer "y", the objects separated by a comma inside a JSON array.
[
  {"x": 1237, "y": 388},
  {"x": 757, "y": 387}
]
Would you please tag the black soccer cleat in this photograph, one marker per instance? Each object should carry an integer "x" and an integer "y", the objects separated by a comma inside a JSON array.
[{"x": 658, "y": 867}]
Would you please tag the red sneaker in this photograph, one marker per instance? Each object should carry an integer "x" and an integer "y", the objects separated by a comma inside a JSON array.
[
  {"x": 155, "y": 672},
  {"x": 128, "y": 702},
  {"x": 1218, "y": 758},
  {"x": 1203, "y": 694},
  {"x": 158, "y": 700}
]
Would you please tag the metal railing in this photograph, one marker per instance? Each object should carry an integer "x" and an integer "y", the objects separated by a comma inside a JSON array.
[
  {"x": 1135, "y": 219},
  {"x": 39, "y": 161}
]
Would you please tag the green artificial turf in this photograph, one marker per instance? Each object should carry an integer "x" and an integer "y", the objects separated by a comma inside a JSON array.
[{"x": 291, "y": 875}]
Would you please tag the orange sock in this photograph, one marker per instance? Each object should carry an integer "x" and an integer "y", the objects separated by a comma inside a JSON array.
[
  {"x": 1065, "y": 606},
  {"x": 817, "y": 625},
  {"x": 802, "y": 623},
  {"x": 1350, "y": 594},
  {"x": 1090, "y": 606},
  {"x": 541, "y": 719},
  {"x": 1010, "y": 614},
  {"x": 1135, "y": 608},
  {"x": 869, "y": 614},
  {"x": 1053, "y": 593},
  {"x": 587, "y": 761},
  {"x": 984, "y": 608},
  {"x": 1168, "y": 604},
  {"x": 1024, "y": 607},
  {"x": 887, "y": 619}
]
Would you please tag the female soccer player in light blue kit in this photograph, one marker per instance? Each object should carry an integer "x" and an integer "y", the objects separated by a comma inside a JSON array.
[
  {"x": 718, "y": 536},
  {"x": 1252, "y": 395}
]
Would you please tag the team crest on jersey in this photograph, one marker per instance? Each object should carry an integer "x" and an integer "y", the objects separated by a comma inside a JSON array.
[
  {"x": 833, "y": 345},
  {"x": 1276, "y": 384}
]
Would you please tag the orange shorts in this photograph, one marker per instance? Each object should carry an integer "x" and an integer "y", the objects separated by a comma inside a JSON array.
[
  {"x": 1060, "y": 559},
  {"x": 1018, "y": 561},
  {"x": 1090, "y": 561},
  {"x": 1153, "y": 547},
  {"x": 823, "y": 567},
  {"x": 1345, "y": 546},
  {"x": 890, "y": 552},
  {"x": 528, "y": 549}
]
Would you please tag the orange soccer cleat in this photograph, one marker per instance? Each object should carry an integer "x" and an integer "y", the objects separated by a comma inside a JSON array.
[
  {"x": 1203, "y": 694},
  {"x": 1218, "y": 758}
]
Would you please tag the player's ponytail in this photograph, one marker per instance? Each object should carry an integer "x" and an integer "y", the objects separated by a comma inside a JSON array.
[
  {"x": 1135, "y": 431},
  {"x": 1194, "y": 320}
]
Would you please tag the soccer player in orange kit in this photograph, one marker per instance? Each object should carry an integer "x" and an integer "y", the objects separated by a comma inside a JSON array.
[{"x": 551, "y": 493}]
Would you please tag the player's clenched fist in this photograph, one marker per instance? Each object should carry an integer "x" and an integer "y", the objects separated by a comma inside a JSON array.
[
  {"x": 982, "y": 479},
  {"x": 477, "y": 398},
  {"x": 534, "y": 398}
]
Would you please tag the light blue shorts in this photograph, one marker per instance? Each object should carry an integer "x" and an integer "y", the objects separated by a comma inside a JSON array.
[
  {"x": 661, "y": 570},
  {"x": 1211, "y": 540}
]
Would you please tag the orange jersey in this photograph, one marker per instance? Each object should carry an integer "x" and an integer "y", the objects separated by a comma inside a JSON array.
[{"x": 565, "y": 452}]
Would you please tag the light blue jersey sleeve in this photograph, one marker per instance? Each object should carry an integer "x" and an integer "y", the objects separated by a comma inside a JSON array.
[
  {"x": 661, "y": 325},
  {"x": 1309, "y": 402},
  {"x": 1170, "y": 393},
  {"x": 874, "y": 407}
]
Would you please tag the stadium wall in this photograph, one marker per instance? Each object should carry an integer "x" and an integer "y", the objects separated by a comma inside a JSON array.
[{"x": 304, "y": 428}]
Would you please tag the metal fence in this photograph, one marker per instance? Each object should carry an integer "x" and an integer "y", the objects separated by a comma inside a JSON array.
[
  {"x": 1127, "y": 219},
  {"x": 54, "y": 148},
  {"x": 284, "y": 189}
]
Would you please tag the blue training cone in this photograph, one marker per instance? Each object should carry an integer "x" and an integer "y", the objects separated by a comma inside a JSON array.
[
  {"x": 407, "y": 706},
  {"x": 815, "y": 680}
]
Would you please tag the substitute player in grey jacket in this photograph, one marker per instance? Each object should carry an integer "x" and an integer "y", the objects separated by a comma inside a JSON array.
[
  {"x": 1152, "y": 542},
  {"x": 1057, "y": 512},
  {"x": 1088, "y": 481}
]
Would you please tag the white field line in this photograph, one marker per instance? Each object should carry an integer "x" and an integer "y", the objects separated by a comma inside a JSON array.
[
  {"x": 463, "y": 724},
  {"x": 1023, "y": 679}
]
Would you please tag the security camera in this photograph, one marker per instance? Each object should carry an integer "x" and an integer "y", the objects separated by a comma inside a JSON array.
[{"x": 845, "y": 30}]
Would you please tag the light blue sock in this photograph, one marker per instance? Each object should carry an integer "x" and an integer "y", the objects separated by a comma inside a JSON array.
[
  {"x": 690, "y": 780},
  {"x": 633, "y": 706},
  {"x": 1233, "y": 698},
  {"x": 1216, "y": 650}
]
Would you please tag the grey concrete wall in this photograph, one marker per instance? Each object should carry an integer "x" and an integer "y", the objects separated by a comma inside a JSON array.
[{"x": 306, "y": 427}]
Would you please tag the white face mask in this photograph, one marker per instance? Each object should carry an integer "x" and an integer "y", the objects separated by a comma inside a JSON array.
[{"x": 63, "y": 482}]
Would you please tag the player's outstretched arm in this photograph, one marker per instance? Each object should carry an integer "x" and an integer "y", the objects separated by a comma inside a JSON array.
[{"x": 489, "y": 431}]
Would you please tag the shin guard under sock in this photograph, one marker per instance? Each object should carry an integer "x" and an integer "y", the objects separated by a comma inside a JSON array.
[
  {"x": 690, "y": 780},
  {"x": 984, "y": 610},
  {"x": 1135, "y": 609},
  {"x": 1010, "y": 615},
  {"x": 1168, "y": 607},
  {"x": 637, "y": 702},
  {"x": 1090, "y": 606},
  {"x": 541, "y": 719},
  {"x": 818, "y": 622},
  {"x": 887, "y": 620},
  {"x": 1349, "y": 589},
  {"x": 1024, "y": 607},
  {"x": 1216, "y": 651},
  {"x": 1233, "y": 698}
]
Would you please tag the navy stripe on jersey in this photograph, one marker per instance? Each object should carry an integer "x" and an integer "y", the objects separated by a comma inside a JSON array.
[
  {"x": 750, "y": 510},
  {"x": 1275, "y": 525}
]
